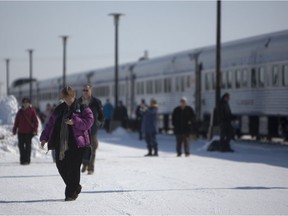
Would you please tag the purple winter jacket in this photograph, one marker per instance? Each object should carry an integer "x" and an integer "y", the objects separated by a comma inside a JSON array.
[{"x": 83, "y": 121}]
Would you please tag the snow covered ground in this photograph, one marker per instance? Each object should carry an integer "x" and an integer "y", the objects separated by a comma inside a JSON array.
[{"x": 253, "y": 180}]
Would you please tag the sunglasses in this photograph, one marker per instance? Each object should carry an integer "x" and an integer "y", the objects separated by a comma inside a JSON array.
[{"x": 85, "y": 90}]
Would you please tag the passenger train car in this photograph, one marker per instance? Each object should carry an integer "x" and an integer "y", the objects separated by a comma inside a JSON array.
[{"x": 253, "y": 70}]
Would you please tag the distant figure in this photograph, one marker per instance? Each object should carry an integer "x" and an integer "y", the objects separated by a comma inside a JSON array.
[
  {"x": 182, "y": 120},
  {"x": 47, "y": 115},
  {"x": 139, "y": 116},
  {"x": 226, "y": 129},
  {"x": 26, "y": 125},
  {"x": 121, "y": 114},
  {"x": 108, "y": 113},
  {"x": 149, "y": 127},
  {"x": 96, "y": 107},
  {"x": 67, "y": 133}
]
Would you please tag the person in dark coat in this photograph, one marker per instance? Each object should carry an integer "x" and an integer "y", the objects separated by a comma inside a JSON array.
[
  {"x": 26, "y": 125},
  {"x": 182, "y": 120},
  {"x": 225, "y": 118},
  {"x": 121, "y": 114},
  {"x": 67, "y": 133},
  {"x": 149, "y": 127},
  {"x": 96, "y": 106},
  {"x": 139, "y": 117}
]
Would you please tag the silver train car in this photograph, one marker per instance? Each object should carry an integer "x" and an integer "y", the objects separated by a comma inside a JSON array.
[{"x": 253, "y": 70}]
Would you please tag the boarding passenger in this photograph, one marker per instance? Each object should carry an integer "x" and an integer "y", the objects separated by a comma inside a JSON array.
[
  {"x": 121, "y": 114},
  {"x": 183, "y": 118},
  {"x": 139, "y": 116},
  {"x": 108, "y": 113},
  {"x": 149, "y": 128},
  {"x": 226, "y": 129}
]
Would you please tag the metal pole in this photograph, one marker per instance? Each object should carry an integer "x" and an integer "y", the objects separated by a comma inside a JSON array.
[
  {"x": 218, "y": 56},
  {"x": 7, "y": 75},
  {"x": 116, "y": 23},
  {"x": 30, "y": 72},
  {"x": 64, "y": 38}
]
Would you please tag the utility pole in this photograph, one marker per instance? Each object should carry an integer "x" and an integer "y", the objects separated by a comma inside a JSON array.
[
  {"x": 218, "y": 56},
  {"x": 7, "y": 75},
  {"x": 116, "y": 17},
  {"x": 64, "y": 38},
  {"x": 30, "y": 73}
]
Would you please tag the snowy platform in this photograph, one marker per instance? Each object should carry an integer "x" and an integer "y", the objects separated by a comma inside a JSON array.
[{"x": 253, "y": 180}]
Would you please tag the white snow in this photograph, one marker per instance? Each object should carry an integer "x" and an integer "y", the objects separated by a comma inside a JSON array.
[{"x": 253, "y": 180}]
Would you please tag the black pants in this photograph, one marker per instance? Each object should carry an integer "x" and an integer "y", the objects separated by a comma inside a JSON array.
[
  {"x": 24, "y": 144},
  {"x": 182, "y": 139},
  {"x": 107, "y": 125},
  {"x": 226, "y": 133},
  {"x": 139, "y": 125},
  {"x": 69, "y": 168},
  {"x": 151, "y": 143},
  {"x": 94, "y": 145}
]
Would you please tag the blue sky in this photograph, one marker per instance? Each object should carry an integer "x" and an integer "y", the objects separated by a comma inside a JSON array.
[{"x": 160, "y": 27}]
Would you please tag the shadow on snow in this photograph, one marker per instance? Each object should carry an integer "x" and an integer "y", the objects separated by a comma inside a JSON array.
[{"x": 246, "y": 152}]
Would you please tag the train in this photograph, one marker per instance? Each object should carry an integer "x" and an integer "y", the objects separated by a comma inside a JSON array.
[{"x": 254, "y": 71}]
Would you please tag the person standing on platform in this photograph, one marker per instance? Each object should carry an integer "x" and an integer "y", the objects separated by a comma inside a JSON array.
[
  {"x": 139, "y": 116},
  {"x": 96, "y": 106},
  {"x": 182, "y": 120},
  {"x": 226, "y": 129},
  {"x": 67, "y": 131},
  {"x": 121, "y": 114},
  {"x": 108, "y": 113},
  {"x": 26, "y": 126},
  {"x": 150, "y": 128}
]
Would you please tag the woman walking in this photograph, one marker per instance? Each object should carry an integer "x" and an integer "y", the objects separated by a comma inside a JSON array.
[
  {"x": 26, "y": 125},
  {"x": 67, "y": 133}
]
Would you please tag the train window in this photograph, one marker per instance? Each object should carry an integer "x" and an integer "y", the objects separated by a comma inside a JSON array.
[
  {"x": 167, "y": 85},
  {"x": 158, "y": 86},
  {"x": 188, "y": 82},
  {"x": 213, "y": 81},
  {"x": 229, "y": 75},
  {"x": 244, "y": 78},
  {"x": 142, "y": 88},
  {"x": 275, "y": 75},
  {"x": 223, "y": 80},
  {"x": 238, "y": 79},
  {"x": 113, "y": 90},
  {"x": 285, "y": 75},
  {"x": 261, "y": 77},
  {"x": 207, "y": 86},
  {"x": 253, "y": 78},
  {"x": 139, "y": 85},
  {"x": 182, "y": 86},
  {"x": 149, "y": 87},
  {"x": 177, "y": 84}
]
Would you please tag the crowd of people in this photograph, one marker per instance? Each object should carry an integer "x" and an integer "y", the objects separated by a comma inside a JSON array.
[{"x": 71, "y": 127}]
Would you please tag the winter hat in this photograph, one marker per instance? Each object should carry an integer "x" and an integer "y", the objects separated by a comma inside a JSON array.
[
  {"x": 184, "y": 99},
  {"x": 154, "y": 103}
]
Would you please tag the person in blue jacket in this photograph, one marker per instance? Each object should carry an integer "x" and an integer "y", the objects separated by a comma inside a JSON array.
[
  {"x": 149, "y": 127},
  {"x": 108, "y": 113}
]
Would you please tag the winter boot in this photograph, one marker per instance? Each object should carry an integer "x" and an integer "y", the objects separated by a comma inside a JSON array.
[
  {"x": 156, "y": 152},
  {"x": 149, "y": 153}
]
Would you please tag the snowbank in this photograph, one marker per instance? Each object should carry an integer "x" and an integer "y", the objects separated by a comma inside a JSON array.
[
  {"x": 8, "y": 141},
  {"x": 8, "y": 109}
]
